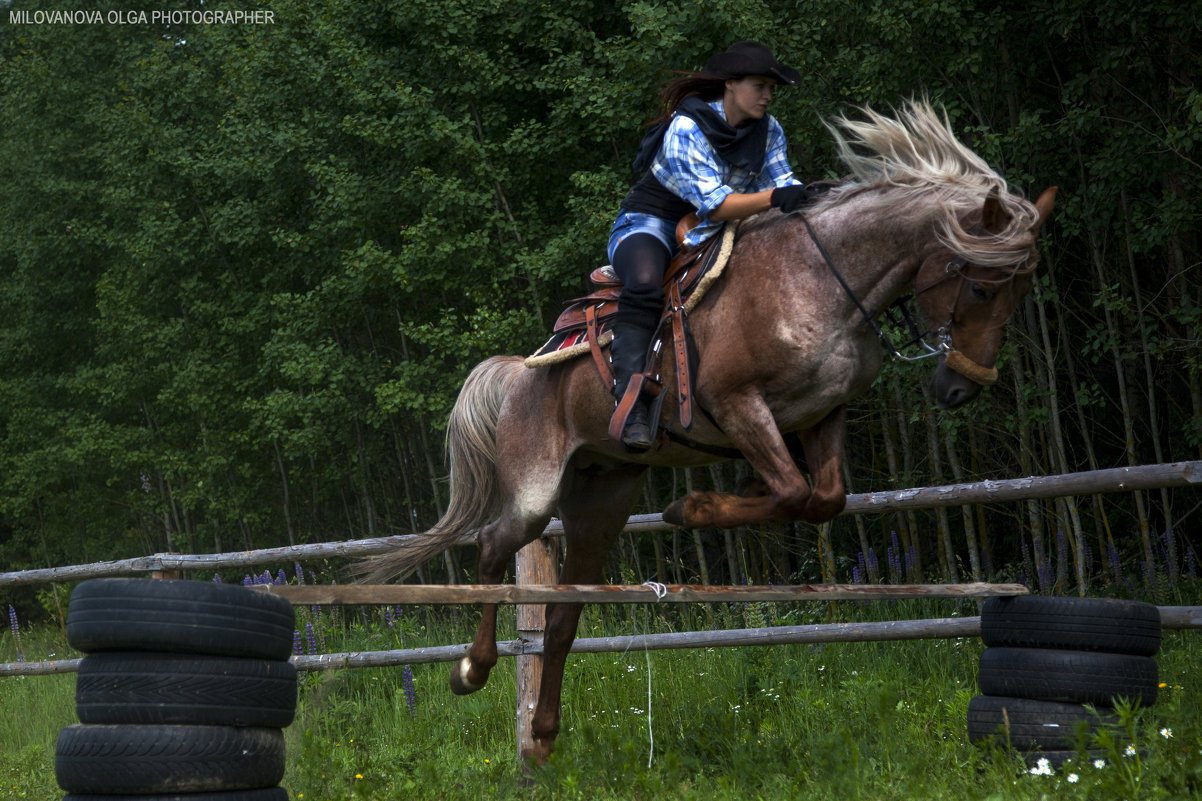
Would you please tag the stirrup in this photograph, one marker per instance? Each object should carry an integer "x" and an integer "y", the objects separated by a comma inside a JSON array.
[{"x": 630, "y": 401}]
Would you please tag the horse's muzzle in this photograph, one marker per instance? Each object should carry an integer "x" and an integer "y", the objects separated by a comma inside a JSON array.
[{"x": 951, "y": 389}]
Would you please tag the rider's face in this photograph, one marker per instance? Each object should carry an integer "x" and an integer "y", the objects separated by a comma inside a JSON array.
[{"x": 747, "y": 98}]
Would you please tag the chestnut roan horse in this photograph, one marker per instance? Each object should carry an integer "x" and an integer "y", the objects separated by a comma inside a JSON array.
[{"x": 782, "y": 347}]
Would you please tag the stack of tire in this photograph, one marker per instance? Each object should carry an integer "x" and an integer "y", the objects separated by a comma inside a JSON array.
[
  {"x": 1048, "y": 657},
  {"x": 182, "y": 694}
]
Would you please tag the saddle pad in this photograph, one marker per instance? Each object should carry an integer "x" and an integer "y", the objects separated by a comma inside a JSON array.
[{"x": 570, "y": 341}]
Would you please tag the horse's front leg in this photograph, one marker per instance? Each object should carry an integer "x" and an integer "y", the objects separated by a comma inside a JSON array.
[
  {"x": 823, "y": 446},
  {"x": 751, "y": 428}
]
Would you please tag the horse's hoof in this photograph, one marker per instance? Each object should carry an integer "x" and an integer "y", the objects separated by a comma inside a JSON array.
[
  {"x": 674, "y": 514},
  {"x": 818, "y": 511},
  {"x": 692, "y": 511},
  {"x": 535, "y": 757},
  {"x": 460, "y": 683}
]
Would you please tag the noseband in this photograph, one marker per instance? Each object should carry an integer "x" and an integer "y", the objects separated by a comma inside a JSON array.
[{"x": 953, "y": 358}]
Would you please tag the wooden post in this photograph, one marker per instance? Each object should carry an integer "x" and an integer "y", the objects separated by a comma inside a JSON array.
[
  {"x": 536, "y": 564},
  {"x": 167, "y": 572}
]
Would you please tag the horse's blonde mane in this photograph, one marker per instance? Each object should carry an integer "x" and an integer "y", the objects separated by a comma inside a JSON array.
[{"x": 916, "y": 154}]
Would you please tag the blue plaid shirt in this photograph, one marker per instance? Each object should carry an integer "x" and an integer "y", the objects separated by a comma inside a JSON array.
[{"x": 689, "y": 168}]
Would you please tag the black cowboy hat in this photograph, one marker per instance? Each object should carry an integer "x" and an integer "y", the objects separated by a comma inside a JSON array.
[{"x": 750, "y": 58}]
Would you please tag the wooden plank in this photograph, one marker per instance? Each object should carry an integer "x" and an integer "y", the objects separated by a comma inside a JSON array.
[{"x": 401, "y": 594}]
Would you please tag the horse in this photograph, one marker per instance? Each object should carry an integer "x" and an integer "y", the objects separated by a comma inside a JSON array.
[{"x": 784, "y": 340}]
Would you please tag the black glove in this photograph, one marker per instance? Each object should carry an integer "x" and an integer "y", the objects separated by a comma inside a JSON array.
[{"x": 793, "y": 198}]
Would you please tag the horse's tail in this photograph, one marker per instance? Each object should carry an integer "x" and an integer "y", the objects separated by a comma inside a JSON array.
[{"x": 472, "y": 451}]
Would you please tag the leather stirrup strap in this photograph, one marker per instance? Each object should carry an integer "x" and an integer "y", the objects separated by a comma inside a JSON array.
[
  {"x": 618, "y": 422},
  {"x": 594, "y": 348},
  {"x": 680, "y": 349}
]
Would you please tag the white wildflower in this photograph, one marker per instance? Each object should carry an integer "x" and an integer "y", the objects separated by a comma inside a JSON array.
[
  {"x": 1072, "y": 778},
  {"x": 1166, "y": 734},
  {"x": 1099, "y": 763},
  {"x": 1042, "y": 768}
]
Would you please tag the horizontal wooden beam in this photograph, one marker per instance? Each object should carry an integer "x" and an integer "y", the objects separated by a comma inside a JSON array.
[
  {"x": 402, "y": 594},
  {"x": 1171, "y": 618},
  {"x": 1119, "y": 479}
]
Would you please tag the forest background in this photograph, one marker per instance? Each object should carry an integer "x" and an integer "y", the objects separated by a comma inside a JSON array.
[{"x": 245, "y": 267}]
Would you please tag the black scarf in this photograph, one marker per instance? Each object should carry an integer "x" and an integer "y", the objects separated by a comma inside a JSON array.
[{"x": 742, "y": 147}]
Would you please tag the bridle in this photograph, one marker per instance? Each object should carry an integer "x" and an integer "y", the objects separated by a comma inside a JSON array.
[{"x": 900, "y": 308}]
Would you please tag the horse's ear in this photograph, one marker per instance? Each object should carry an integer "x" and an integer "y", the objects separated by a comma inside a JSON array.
[
  {"x": 1044, "y": 206},
  {"x": 993, "y": 216}
]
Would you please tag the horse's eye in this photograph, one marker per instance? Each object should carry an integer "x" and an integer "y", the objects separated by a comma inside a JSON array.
[{"x": 980, "y": 293}]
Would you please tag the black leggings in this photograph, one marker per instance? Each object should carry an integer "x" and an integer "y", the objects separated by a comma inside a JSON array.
[{"x": 640, "y": 261}]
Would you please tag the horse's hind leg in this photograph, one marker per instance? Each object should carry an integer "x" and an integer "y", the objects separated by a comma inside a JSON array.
[
  {"x": 594, "y": 509},
  {"x": 497, "y": 543}
]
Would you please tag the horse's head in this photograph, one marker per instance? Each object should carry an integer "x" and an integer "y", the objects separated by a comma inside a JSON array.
[{"x": 969, "y": 303}]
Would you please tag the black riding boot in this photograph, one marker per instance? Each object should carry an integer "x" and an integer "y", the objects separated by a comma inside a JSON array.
[{"x": 628, "y": 352}]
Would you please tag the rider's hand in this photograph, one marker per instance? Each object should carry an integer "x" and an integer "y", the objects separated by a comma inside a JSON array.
[{"x": 792, "y": 198}]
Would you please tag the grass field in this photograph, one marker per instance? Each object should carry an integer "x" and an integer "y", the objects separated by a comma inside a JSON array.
[{"x": 840, "y": 721}]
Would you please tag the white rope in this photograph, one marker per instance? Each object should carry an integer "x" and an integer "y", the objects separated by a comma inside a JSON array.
[{"x": 660, "y": 590}]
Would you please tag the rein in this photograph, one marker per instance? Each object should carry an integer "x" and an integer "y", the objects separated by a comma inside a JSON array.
[
  {"x": 953, "y": 358},
  {"x": 899, "y": 306}
]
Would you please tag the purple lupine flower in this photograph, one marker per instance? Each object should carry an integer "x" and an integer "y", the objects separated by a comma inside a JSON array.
[
  {"x": 1191, "y": 562},
  {"x": 247, "y": 581},
  {"x": 862, "y": 563},
  {"x": 265, "y": 578},
  {"x": 874, "y": 564},
  {"x": 1116, "y": 564},
  {"x": 1062, "y": 550},
  {"x": 856, "y": 577},
  {"x": 300, "y": 573},
  {"x": 311, "y": 637},
  {"x": 389, "y": 617},
  {"x": 894, "y": 565},
  {"x": 15, "y": 626},
  {"x": 217, "y": 579},
  {"x": 280, "y": 578},
  {"x": 296, "y": 643},
  {"x": 410, "y": 689}
]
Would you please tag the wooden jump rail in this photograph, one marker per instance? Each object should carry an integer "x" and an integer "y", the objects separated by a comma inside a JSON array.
[
  {"x": 1118, "y": 479},
  {"x": 401, "y": 594},
  {"x": 1174, "y": 618}
]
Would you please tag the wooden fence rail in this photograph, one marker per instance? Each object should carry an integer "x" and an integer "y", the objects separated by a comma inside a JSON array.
[
  {"x": 400, "y": 594},
  {"x": 1171, "y": 617},
  {"x": 1122, "y": 479}
]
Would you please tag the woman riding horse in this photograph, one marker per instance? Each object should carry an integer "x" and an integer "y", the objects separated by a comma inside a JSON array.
[{"x": 715, "y": 152}]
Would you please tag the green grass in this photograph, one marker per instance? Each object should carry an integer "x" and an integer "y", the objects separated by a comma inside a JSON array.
[{"x": 841, "y": 721}]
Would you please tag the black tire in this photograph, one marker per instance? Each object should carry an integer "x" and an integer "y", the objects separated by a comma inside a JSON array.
[
  {"x": 149, "y": 688},
  {"x": 143, "y": 760},
  {"x": 1071, "y": 624},
  {"x": 267, "y": 794},
  {"x": 1075, "y": 677},
  {"x": 195, "y": 617},
  {"x": 1047, "y": 725}
]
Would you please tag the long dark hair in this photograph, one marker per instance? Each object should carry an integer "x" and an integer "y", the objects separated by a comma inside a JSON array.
[{"x": 705, "y": 85}]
